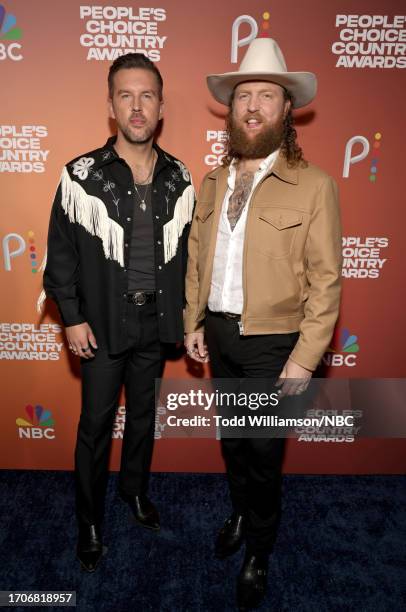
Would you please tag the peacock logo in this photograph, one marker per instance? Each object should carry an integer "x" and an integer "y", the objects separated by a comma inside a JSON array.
[
  {"x": 37, "y": 424},
  {"x": 8, "y": 26},
  {"x": 10, "y": 33},
  {"x": 349, "y": 342},
  {"x": 346, "y": 355}
]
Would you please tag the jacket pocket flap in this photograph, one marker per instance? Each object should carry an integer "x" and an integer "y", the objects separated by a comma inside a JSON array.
[
  {"x": 281, "y": 219},
  {"x": 204, "y": 211}
]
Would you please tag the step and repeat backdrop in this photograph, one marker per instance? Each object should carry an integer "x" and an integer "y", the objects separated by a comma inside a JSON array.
[{"x": 54, "y": 59}]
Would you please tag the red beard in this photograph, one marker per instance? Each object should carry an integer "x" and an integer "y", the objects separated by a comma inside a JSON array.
[{"x": 263, "y": 144}]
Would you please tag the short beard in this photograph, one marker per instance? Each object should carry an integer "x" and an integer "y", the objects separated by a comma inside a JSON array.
[
  {"x": 264, "y": 143},
  {"x": 148, "y": 135}
]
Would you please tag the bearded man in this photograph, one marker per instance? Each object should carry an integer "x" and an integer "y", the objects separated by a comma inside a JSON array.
[{"x": 263, "y": 280}]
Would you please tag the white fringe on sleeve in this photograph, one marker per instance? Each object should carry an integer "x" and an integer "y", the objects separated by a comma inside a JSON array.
[
  {"x": 90, "y": 212},
  {"x": 174, "y": 228}
]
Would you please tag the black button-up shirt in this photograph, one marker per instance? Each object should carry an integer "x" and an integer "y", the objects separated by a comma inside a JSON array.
[{"x": 89, "y": 243}]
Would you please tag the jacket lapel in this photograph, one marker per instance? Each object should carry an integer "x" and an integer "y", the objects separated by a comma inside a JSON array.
[{"x": 220, "y": 175}]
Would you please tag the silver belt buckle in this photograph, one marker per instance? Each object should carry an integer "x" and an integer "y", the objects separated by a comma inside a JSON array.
[{"x": 139, "y": 298}]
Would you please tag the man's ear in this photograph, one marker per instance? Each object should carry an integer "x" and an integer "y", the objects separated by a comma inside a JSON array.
[
  {"x": 110, "y": 108},
  {"x": 161, "y": 109}
]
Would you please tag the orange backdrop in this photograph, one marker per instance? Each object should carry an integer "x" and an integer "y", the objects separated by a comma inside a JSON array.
[{"x": 54, "y": 58}]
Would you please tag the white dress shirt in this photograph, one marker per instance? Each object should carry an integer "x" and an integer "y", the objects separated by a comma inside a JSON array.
[{"x": 226, "y": 293}]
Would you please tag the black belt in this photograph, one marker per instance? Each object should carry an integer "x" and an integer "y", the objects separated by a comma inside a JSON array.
[
  {"x": 230, "y": 316},
  {"x": 139, "y": 298}
]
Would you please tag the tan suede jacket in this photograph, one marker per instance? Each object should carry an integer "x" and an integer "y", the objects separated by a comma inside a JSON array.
[{"x": 291, "y": 260}]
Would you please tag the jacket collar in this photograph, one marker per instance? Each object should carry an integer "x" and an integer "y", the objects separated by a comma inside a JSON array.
[{"x": 283, "y": 172}]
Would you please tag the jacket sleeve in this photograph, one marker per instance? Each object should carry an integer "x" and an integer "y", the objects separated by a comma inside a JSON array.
[
  {"x": 62, "y": 267},
  {"x": 185, "y": 239},
  {"x": 191, "y": 323},
  {"x": 323, "y": 270}
]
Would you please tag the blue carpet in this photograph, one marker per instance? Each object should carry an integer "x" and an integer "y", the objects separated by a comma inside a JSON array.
[{"x": 341, "y": 545}]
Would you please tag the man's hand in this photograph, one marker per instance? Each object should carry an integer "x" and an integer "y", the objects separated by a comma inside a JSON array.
[
  {"x": 195, "y": 347},
  {"x": 301, "y": 378},
  {"x": 81, "y": 340}
]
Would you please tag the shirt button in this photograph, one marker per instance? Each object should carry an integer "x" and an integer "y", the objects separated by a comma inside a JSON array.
[
  {"x": 125, "y": 270},
  {"x": 159, "y": 242},
  {"x": 159, "y": 267},
  {"x": 156, "y": 216},
  {"x": 129, "y": 192},
  {"x": 154, "y": 191},
  {"x": 128, "y": 218},
  {"x": 160, "y": 291},
  {"x": 126, "y": 245},
  {"x": 161, "y": 314},
  {"x": 124, "y": 295}
]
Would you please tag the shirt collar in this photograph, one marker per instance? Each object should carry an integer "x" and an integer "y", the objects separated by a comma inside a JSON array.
[
  {"x": 268, "y": 162},
  {"x": 108, "y": 154},
  {"x": 263, "y": 168}
]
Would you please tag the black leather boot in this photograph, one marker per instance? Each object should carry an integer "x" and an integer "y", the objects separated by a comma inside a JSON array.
[
  {"x": 143, "y": 510},
  {"x": 230, "y": 537},
  {"x": 252, "y": 581},
  {"x": 90, "y": 547}
]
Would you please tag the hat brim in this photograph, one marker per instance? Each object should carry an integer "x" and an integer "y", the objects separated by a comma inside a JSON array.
[{"x": 302, "y": 85}]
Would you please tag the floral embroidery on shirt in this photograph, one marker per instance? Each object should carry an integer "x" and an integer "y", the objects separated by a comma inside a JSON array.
[
  {"x": 82, "y": 169},
  {"x": 170, "y": 185},
  {"x": 185, "y": 172},
  {"x": 97, "y": 175},
  {"x": 82, "y": 166},
  {"x": 108, "y": 186}
]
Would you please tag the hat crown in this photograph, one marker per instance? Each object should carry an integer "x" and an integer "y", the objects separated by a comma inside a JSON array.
[
  {"x": 264, "y": 61},
  {"x": 263, "y": 55}
]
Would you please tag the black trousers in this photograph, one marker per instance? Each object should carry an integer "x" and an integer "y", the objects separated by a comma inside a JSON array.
[
  {"x": 253, "y": 464},
  {"x": 102, "y": 379}
]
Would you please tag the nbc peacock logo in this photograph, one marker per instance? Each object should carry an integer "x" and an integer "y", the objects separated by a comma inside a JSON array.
[
  {"x": 10, "y": 33},
  {"x": 38, "y": 424},
  {"x": 349, "y": 342},
  {"x": 346, "y": 355},
  {"x": 8, "y": 29}
]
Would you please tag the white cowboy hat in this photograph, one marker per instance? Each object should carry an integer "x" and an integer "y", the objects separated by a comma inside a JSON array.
[{"x": 264, "y": 61}]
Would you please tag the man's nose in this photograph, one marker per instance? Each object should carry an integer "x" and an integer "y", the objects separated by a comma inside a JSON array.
[
  {"x": 136, "y": 103},
  {"x": 253, "y": 103}
]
